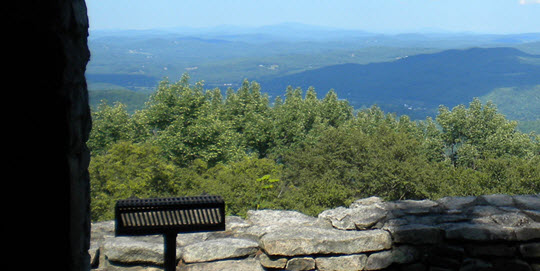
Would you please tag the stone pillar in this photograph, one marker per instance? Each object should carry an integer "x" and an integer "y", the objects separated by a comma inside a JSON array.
[{"x": 47, "y": 125}]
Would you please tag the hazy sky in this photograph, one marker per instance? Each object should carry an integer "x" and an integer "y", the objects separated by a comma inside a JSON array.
[{"x": 485, "y": 16}]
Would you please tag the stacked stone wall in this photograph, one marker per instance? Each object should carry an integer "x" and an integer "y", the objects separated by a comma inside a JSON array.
[{"x": 492, "y": 232}]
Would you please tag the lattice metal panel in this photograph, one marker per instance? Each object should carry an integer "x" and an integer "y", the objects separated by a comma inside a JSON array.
[{"x": 167, "y": 215}]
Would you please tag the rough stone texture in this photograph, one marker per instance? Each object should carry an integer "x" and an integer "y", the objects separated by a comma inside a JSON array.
[
  {"x": 236, "y": 265},
  {"x": 311, "y": 240},
  {"x": 529, "y": 202},
  {"x": 299, "y": 264},
  {"x": 497, "y": 200},
  {"x": 341, "y": 263},
  {"x": 360, "y": 217},
  {"x": 479, "y": 232},
  {"x": 135, "y": 250},
  {"x": 379, "y": 260},
  {"x": 279, "y": 217},
  {"x": 218, "y": 249},
  {"x": 531, "y": 250},
  {"x": 499, "y": 250},
  {"x": 416, "y": 234},
  {"x": 272, "y": 261},
  {"x": 457, "y": 203},
  {"x": 491, "y": 232}
]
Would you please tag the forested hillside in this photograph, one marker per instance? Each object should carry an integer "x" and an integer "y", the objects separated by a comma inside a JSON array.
[
  {"x": 417, "y": 85},
  {"x": 300, "y": 151},
  {"x": 401, "y": 79}
]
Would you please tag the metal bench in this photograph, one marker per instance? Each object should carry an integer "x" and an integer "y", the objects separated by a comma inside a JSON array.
[{"x": 169, "y": 216}]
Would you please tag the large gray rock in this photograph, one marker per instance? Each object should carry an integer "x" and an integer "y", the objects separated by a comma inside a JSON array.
[
  {"x": 235, "y": 222},
  {"x": 416, "y": 207},
  {"x": 128, "y": 250},
  {"x": 279, "y": 217},
  {"x": 272, "y": 262},
  {"x": 497, "y": 200},
  {"x": 267, "y": 221},
  {"x": 404, "y": 254},
  {"x": 232, "y": 265},
  {"x": 497, "y": 250},
  {"x": 311, "y": 240},
  {"x": 379, "y": 260},
  {"x": 530, "y": 202},
  {"x": 457, "y": 203},
  {"x": 371, "y": 201},
  {"x": 361, "y": 217},
  {"x": 218, "y": 249},
  {"x": 300, "y": 264},
  {"x": 531, "y": 250},
  {"x": 341, "y": 263},
  {"x": 480, "y": 232},
  {"x": 416, "y": 234},
  {"x": 528, "y": 232},
  {"x": 383, "y": 259},
  {"x": 184, "y": 239},
  {"x": 511, "y": 219}
]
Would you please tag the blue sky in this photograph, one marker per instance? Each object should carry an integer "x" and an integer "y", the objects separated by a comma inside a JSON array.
[{"x": 482, "y": 16}]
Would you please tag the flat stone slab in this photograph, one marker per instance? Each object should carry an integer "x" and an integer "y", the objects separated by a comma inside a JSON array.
[
  {"x": 218, "y": 249},
  {"x": 416, "y": 234},
  {"x": 135, "y": 250},
  {"x": 480, "y": 232},
  {"x": 531, "y": 250},
  {"x": 414, "y": 206},
  {"x": 379, "y": 260},
  {"x": 272, "y": 262},
  {"x": 300, "y": 264},
  {"x": 311, "y": 240},
  {"x": 279, "y": 217},
  {"x": 361, "y": 217},
  {"x": 341, "y": 263},
  {"x": 457, "y": 203},
  {"x": 497, "y": 200},
  {"x": 530, "y": 202},
  {"x": 236, "y": 265}
]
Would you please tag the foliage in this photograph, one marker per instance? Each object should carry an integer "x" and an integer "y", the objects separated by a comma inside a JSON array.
[
  {"x": 129, "y": 170},
  {"x": 480, "y": 132},
  {"x": 300, "y": 152},
  {"x": 109, "y": 125}
]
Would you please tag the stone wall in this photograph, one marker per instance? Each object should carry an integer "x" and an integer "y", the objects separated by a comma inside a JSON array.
[{"x": 493, "y": 232}]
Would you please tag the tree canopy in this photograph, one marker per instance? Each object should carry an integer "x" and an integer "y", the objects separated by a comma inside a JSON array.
[{"x": 299, "y": 151}]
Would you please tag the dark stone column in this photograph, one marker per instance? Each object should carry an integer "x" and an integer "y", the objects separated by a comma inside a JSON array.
[{"x": 48, "y": 124}]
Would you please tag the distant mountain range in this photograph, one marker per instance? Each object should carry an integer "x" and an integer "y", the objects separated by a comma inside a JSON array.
[
  {"x": 421, "y": 82},
  {"x": 225, "y": 55},
  {"x": 403, "y": 73}
]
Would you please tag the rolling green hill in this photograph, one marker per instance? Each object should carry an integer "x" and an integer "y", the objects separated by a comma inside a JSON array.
[
  {"x": 405, "y": 73},
  {"x": 417, "y": 85},
  {"x": 225, "y": 56},
  {"x": 518, "y": 103}
]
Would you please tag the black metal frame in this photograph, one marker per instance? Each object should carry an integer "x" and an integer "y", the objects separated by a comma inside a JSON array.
[{"x": 169, "y": 216}]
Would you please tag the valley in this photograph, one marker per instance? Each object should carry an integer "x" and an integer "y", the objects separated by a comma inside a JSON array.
[{"x": 403, "y": 73}]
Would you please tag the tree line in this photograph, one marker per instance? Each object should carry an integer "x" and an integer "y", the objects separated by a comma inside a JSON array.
[{"x": 299, "y": 152}]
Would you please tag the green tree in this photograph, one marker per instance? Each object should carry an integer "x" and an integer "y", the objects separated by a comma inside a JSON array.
[
  {"x": 110, "y": 124},
  {"x": 480, "y": 132},
  {"x": 173, "y": 102},
  {"x": 249, "y": 111},
  {"x": 207, "y": 138},
  {"x": 128, "y": 170},
  {"x": 244, "y": 184},
  {"x": 346, "y": 163}
]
